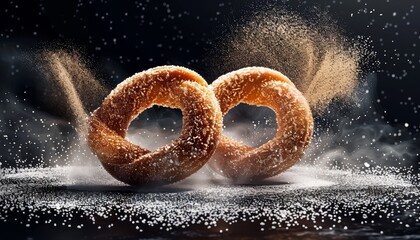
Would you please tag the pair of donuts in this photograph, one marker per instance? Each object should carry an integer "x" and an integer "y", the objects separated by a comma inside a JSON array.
[{"x": 201, "y": 139}]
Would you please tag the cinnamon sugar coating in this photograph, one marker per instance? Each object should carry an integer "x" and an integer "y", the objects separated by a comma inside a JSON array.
[
  {"x": 262, "y": 87},
  {"x": 169, "y": 86}
]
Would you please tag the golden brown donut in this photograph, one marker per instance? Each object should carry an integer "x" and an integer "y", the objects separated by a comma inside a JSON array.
[
  {"x": 169, "y": 86},
  {"x": 262, "y": 87}
]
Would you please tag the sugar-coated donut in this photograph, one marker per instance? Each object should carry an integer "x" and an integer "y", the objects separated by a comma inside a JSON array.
[
  {"x": 262, "y": 87},
  {"x": 169, "y": 86}
]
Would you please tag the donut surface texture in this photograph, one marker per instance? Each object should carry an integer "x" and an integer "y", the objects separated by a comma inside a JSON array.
[
  {"x": 262, "y": 87},
  {"x": 168, "y": 86}
]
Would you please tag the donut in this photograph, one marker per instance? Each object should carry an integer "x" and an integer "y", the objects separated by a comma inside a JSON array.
[
  {"x": 169, "y": 86},
  {"x": 262, "y": 87}
]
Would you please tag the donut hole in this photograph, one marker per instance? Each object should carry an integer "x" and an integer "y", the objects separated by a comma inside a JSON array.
[
  {"x": 250, "y": 124},
  {"x": 155, "y": 127}
]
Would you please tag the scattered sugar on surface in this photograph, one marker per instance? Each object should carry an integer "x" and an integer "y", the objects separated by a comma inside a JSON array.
[{"x": 304, "y": 197}]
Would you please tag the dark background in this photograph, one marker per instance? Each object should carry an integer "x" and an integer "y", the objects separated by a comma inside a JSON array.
[{"x": 118, "y": 39}]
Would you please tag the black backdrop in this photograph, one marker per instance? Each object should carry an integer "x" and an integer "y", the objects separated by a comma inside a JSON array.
[{"x": 121, "y": 38}]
